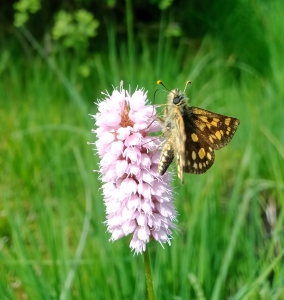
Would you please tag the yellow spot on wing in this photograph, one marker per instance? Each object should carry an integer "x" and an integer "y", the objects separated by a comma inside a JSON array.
[
  {"x": 200, "y": 165},
  {"x": 201, "y": 126},
  {"x": 204, "y": 119},
  {"x": 214, "y": 123},
  {"x": 218, "y": 135},
  {"x": 201, "y": 153},
  {"x": 194, "y": 137},
  {"x": 195, "y": 165},
  {"x": 193, "y": 155},
  {"x": 227, "y": 121},
  {"x": 209, "y": 156}
]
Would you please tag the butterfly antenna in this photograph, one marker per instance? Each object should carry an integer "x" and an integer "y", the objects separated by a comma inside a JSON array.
[
  {"x": 155, "y": 95},
  {"x": 161, "y": 83},
  {"x": 186, "y": 84}
]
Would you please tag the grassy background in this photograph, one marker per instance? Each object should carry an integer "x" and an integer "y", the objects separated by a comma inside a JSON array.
[{"x": 54, "y": 244}]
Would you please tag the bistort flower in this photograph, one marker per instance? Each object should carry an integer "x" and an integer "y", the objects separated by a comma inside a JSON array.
[{"x": 138, "y": 200}]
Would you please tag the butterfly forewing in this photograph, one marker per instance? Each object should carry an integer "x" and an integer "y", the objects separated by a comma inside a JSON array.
[{"x": 215, "y": 129}]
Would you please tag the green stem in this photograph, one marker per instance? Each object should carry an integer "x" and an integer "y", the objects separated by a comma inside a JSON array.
[{"x": 148, "y": 275}]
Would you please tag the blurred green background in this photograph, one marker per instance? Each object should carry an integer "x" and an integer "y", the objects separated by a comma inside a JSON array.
[{"x": 55, "y": 59}]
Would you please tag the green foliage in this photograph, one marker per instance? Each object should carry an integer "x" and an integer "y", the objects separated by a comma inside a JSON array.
[
  {"x": 22, "y": 10},
  {"x": 74, "y": 29},
  {"x": 110, "y": 3},
  {"x": 165, "y": 4},
  {"x": 173, "y": 30},
  {"x": 74, "y": 32},
  {"x": 225, "y": 21},
  {"x": 238, "y": 26}
]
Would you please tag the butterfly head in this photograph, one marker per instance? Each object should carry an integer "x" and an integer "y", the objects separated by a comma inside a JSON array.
[{"x": 177, "y": 97}]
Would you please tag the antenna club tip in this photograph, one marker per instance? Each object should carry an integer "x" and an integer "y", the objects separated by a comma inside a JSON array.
[
  {"x": 188, "y": 82},
  {"x": 159, "y": 82}
]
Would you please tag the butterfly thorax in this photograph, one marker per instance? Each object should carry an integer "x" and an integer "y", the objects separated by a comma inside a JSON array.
[{"x": 175, "y": 110}]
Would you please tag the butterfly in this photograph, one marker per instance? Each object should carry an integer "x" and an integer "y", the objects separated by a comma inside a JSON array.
[{"x": 191, "y": 135}]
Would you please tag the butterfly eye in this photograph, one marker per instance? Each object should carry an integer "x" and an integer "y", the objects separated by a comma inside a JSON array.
[{"x": 176, "y": 100}]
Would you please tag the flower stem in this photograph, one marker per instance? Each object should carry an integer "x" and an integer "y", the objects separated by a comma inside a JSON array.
[{"x": 148, "y": 275}]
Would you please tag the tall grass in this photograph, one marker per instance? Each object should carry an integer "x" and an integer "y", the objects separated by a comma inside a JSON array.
[{"x": 54, "y": 244}]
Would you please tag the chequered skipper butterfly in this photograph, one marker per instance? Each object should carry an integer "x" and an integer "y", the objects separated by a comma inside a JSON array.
[{"x": 192, "y": 134}]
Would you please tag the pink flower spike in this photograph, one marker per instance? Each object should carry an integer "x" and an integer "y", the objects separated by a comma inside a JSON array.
[{"x": 138, "y": 200}]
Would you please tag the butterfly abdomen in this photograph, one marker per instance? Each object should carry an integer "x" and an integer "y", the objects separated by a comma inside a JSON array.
[{"x": 166, "y": 157}]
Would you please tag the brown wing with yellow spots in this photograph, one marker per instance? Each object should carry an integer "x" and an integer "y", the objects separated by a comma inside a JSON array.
[
  {"x": 214, "y": 129},
  {"x": 205, "y": 132},
  {"x": 199, "y": 156}
]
